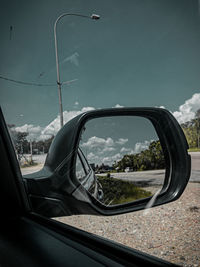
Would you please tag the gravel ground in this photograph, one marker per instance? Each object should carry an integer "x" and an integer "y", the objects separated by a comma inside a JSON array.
[{"x": 170, "y": 232}]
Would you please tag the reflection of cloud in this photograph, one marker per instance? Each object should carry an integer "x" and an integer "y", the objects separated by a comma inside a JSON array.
[
  {"x": 98, "y": 142},
  {"x": 101, "y": 150},
  {"x": 103, "y": 144},
  {"x": 122, "y": 141},
  {"x": 112, "y": 159},
  {"x": 125, "y": 150},
  {"x": 188, "y": 109},
  {"x": 105, "y": 155},
  {"x": 140, "y": 146},
  {"x": 107, "y": 149},
  {"x": 91, "y": 157}
]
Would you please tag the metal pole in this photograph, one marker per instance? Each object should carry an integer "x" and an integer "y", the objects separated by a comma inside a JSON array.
[
  {"x": 95, "y": 17},
  {"x": 31, "y": 150}
]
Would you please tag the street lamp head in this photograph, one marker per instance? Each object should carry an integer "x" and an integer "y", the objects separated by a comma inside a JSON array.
[{"x": 95, "y": 16}]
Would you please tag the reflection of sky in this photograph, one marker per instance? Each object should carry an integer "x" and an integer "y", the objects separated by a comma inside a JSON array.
[{"x": 106, "y": 140}]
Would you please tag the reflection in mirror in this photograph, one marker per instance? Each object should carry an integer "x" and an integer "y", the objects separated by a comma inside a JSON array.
[{"x": 120, "y": 159}]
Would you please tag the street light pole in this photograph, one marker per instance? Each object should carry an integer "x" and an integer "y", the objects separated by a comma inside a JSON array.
[{"x": 93, "y": 16}]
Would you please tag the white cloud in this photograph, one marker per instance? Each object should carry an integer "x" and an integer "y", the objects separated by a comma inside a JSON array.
[
  {"x": 54, "y": 126},
  {"x": 160, "y": 107},
  {"x": 42, "y": 133},
  {"x": 121, "y": 141},
  {"x": 187, "y": 111},
  {"x": 33, "y": 131},
  {"x": 98, "y": 142},
  {"x": 118, "y": 106},
  {"x": 85, "y": 109},
  {"x": 72, "y": 59}
]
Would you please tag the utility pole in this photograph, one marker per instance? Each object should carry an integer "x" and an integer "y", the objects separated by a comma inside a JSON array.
[
  {"x": 59, "y": 83},
  {"x": 31, "y": 150}
]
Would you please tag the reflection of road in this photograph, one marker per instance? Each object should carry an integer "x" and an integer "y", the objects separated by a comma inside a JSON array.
[
  {"x": 156, "y": 177},
  {"x": 141, "y": 178}
]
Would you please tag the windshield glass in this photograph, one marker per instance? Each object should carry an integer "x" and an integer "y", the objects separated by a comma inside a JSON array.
[{"x": 129, "y": 54}]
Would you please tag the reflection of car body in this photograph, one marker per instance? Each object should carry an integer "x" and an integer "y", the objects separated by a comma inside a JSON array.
[{"x": 87, "y": 177}]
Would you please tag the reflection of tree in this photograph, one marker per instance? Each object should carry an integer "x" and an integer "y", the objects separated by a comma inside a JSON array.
[
  {"x": 103, "y": 168},
  {"x": 149, "y": 159}
]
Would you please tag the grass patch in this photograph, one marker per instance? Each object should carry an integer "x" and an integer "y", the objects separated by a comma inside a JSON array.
[{"x": 119, "y": 192}]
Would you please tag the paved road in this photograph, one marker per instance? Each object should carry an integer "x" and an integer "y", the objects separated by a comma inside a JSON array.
[
  {"x": 195, "y": 161},
  {"x": 195, "y": 173}
]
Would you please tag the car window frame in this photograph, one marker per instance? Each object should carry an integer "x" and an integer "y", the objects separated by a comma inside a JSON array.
[{"x": 18, "y": 211}]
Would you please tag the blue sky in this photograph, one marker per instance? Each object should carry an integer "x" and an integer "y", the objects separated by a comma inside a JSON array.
[{"x": 140, "y": 53}]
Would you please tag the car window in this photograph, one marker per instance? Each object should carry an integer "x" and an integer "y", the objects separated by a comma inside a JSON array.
[
  {"x": 84, "y": 161},
  {"x": 80, "y": 171},
  {"x": 137, "y": 54}
]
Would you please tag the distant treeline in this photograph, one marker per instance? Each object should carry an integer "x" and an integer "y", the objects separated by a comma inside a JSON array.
[
  {"x": 149, "y": 159},
  {"x": 192, "y": 131},
  {"x": 24, "y": 146}
]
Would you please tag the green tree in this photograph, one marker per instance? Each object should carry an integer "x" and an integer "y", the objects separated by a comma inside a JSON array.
[
  {"x": 191, "y": 130},
  {"x": 20, "y": 142}
]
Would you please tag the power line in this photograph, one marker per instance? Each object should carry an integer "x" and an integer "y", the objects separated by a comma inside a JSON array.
[
  {"x": 25, "y": 83},
  {"x": 11, "y": 28},
  {"x": 33, "y": 84}
]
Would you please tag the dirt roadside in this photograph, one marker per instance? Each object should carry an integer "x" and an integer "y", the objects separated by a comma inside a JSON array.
[{"x": 170, "y": 232}]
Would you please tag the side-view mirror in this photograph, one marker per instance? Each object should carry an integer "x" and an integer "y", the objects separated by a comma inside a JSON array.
[{"x": 112, "y": 161}]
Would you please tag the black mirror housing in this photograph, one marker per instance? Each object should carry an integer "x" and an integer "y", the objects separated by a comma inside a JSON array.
[{"x": 55, "y": 191}]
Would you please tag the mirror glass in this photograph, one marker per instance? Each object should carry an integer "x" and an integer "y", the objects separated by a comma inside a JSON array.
[{"x": 120, "y": 159}]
